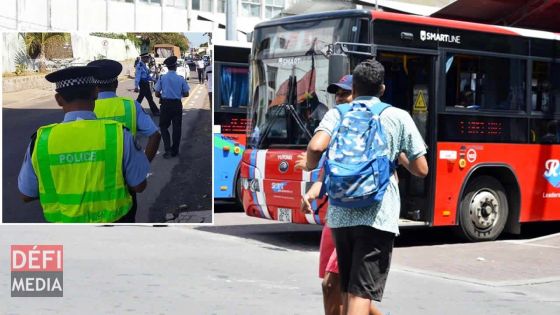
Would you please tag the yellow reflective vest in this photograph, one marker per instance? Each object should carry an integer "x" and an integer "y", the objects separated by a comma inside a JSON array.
[
  {"x": 118, "y": 108},
  {"x": 79, "y": 169}
]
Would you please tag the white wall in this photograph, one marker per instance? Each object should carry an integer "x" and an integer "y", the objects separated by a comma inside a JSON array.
[
  {"x": 175, "y": 19},
  {"x": 148, "y": 17},
  {"x": 121, "y": 18},
  {"x": 61, "y": 19},
  {"x": 92, "y": 15},
  {"x": 12, "y": 43},
  {"x": 32, "y": 14},
  {"x": 8, "y": 14},
  {"x": 86, "y": 48}
]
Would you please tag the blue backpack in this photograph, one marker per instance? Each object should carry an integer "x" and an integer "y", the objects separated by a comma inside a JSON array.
[{"x": 357, "y": 166}]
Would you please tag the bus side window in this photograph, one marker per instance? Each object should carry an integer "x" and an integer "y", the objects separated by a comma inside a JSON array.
[
  {"x": 545, "y": 87},
  {"x": 545, "y": 131},
  {"x": 485, "y": 83}
]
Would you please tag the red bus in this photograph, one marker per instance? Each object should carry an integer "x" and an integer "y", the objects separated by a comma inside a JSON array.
[{"x": 485, "y": 98}]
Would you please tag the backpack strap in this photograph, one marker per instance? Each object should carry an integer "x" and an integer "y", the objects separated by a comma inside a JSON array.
[
  {"x": 343, "y": 109},
  {"x": 379, "y": 107}
]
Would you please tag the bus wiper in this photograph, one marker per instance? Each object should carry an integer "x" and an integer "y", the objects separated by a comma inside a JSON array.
[
  {"x": 288, "y": 107},
  {"x": 292, "y": 99},
  {"x": 268, "y": 127},
  {"x": 298, "y": 120}
]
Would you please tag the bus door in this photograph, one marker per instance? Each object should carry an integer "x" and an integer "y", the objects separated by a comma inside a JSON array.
[{"x": 409, "y": 85}]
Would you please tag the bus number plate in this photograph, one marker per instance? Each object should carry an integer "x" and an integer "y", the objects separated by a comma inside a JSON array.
[{"x": 285, "y": 215}]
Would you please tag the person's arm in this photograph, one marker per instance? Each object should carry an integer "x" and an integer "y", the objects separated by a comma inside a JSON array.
[
  {"x": 140, "y": 187},
  {"x": 414, "y": 148},
  {"x": 152, "y": 146},
  {"x": 135, "y": 164},
  {"x": 418, "y": 167},
  {"x": 185, "y": 88},
  {"x": 316, "y": 147},
  {"x": 137, "y": 76},
  {"x": 145, "y": 126},
  {"x": 27, "y": 199},
  {"x": 312, "y": 194},
  {"x": 157, "y": 88},
  {"x": 320, "y": 141},
  {"x": 28, "y": 184}
]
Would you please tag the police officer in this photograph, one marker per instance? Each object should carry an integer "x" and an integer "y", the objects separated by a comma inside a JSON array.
[
  {"x": 81, "y": 170},
  {"x": 142, "y": 83},
  {"x": 170, "y": 88},
  {"x": 125, "y": 110}
]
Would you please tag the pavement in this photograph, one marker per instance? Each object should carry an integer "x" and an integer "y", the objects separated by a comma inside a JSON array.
[
  {"x": 20, "y": 98},
  {"x": 243, "y": 265},
  {"x": 499, "y": 264}
]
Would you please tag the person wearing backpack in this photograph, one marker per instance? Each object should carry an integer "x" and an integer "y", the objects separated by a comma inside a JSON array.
[
  {"x": 328, "y": 267},
  {"x": 363, "y": 140}
]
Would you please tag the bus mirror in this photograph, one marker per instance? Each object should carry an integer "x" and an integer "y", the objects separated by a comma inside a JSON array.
[
  {"x": 250, "y": 36},
  {"x": 339, "y": 65}
]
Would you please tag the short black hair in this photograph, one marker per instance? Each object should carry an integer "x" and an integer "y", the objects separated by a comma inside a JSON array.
[
  {"x": 110, "y": 86},
  {"x": 86, "y": 93},
  {"x": 368, "y": 78},
  {"x": 173, "y": 68}
]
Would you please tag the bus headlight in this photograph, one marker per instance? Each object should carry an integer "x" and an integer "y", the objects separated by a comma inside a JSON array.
[{"x": 255, "y": 185}]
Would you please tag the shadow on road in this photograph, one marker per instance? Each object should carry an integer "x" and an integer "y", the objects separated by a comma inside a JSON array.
[
  {"x": 227, "y": 206},
  {"x": 307, "y": 237},
  {"x": 288, "y": 236}
]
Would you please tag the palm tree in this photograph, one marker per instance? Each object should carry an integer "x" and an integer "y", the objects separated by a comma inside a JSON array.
[{"x": 36, "y": 43}]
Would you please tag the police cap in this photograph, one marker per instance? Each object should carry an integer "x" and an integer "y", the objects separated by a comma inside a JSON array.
[
  {"x": 72, "y": 77},
  {"x": 170, "y": 61},
  {"x": 109, "y": 70}
]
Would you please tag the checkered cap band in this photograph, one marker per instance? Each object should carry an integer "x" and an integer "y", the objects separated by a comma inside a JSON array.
[
  {"x": 75, "y": 82},
  {"x": 106, "y": 81}
]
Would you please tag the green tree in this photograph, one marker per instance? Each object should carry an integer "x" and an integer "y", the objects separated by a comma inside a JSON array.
[
  {"x": 177, "y": 39},
  {"x": 36, "y": 43}
]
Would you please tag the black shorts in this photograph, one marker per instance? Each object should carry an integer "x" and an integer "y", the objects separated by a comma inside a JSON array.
[{"x": 364, "y": 258}]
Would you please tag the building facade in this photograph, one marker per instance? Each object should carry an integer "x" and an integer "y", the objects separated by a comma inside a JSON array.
[{"x": 135, "y": 15}]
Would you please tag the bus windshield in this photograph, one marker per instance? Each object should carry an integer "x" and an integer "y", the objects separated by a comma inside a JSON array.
[{"x": 290, "y": 73}]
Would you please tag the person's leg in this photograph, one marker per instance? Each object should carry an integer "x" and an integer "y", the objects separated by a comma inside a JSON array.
[
  {"x": 210, "y": 98},
  {"x": 149, "y": 97},
  {"x": 164, "y": 122},
  {"x": 358, "y": 305},
  {"x": 344, "y": 248},
  {"x": 332, "y": 297},
  {"x": 140, "y": 97},
  {"x": 371, "y": 259},
  {"x": 177, "y": 121},
  {"x": 373, "y": 310}
]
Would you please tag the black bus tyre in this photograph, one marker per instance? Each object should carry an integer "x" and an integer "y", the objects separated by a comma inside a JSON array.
[
  {"x": 238, "y": 191},
  {"x": 483, "y": 209}
]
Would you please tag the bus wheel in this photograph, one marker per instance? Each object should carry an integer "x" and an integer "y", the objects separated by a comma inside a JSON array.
[
  {"x": 238, "y": 192},
  {"x": 483, "y": 210}
]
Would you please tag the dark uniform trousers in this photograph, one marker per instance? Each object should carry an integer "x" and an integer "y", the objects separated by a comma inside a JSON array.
[
  {"x": 145, "y": 91},
  {"x": 171, "y": 113}
]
